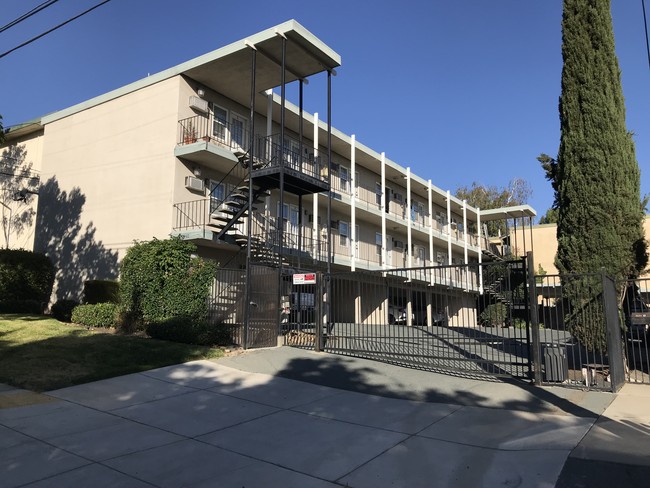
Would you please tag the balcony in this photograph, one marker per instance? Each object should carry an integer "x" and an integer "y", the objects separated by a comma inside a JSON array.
[
  {"x": 302, "y": 174},
  {"x": 210, "y": 142}
]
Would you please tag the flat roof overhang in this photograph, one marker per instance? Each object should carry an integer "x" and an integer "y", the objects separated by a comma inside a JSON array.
[
  {"x": 505, "y": 213},
  {"x": 228, "y": 70}
]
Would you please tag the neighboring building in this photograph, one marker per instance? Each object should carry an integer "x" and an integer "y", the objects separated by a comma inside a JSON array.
[
  {"x": 170, "y": 154},
  {"x": 544, "y": 243}
]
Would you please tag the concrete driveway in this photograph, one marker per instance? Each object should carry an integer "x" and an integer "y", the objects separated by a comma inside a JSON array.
[{"x": 289, "y": 418}]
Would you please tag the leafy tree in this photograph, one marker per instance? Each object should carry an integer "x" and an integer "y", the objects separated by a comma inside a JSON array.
[
  {"x": 550, "y": 217},
  {"x": 2, "y": 132},
  {"x": 597, "y": 176},
  {"x": 485, "y": 197},
  {"x": 549, "y": 165},
  {"x": 17, "y": 185}
]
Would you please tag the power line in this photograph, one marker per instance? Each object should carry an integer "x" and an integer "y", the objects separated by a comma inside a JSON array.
[
  {"x": 645, "y": 24},
  {"x": 53, "y": 29},
  {"x": 33, "y": 11}
]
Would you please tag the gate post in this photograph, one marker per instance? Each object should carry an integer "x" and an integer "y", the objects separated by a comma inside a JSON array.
[
  {"x": 534, "y": 319},
  {"x": 613, "y": 332},
  {"x": 320, "y": 316}
]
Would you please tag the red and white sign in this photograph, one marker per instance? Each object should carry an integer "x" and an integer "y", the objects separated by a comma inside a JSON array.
[{"x": 304, "y": 279}]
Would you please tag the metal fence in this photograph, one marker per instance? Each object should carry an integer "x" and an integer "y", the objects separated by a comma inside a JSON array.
[
  {"x": 478, "y": 320},
  {"x": 431, "y": 318},
  {"x": 636, "y": 318},
  {"x": 579, "y": 331}
]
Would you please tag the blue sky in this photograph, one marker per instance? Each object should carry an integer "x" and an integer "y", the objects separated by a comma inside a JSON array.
[{"x": 460, "y": 91}]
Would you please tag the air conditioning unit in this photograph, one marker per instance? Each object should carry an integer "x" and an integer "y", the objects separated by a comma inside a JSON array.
[
  {"x": 334, "y": 224},
  {"x": 194, "y": 184},
  {"x": 199, "y": 104},
  {"x": 398, "y": 244}
]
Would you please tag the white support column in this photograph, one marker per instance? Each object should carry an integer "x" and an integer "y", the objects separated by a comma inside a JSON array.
[
  {"x": 316, "y": 232},
  {"x": 465, "y": 230},
  {"x": 269, "y": 133},
  {"x": 480, "y": 253},
  {"x": 409, "y": 241},
  {"x": 353, "y": 204},
  {"x": 431, "y": 220},
  {"x": 382, "y": 208},
  {"x": 448, "y": 227},
  {"x": 466, "y": 258}
]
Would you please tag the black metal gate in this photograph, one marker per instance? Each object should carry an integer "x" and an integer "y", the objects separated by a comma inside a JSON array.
[
  {"x": 262, "y": 327},
  {"x": 470, "y": 320}
]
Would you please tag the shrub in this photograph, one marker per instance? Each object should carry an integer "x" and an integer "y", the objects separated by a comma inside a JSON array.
[
  {"x": 21, "y": 306},
  {"x": 101, "y": 291},
  {"x": 62, "y": 310},
  {"x": 189, "y": 331},
  {"x": 164, "y": 278},
  {"x": 494, "y": 315},
  {"x": 25, "y": 275},
  {"x": 96, "y": 315}
]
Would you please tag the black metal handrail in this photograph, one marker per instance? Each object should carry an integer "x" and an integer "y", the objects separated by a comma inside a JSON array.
[
  {"x": 204, "y": 128},
  {"x": 269, "y": 149}
]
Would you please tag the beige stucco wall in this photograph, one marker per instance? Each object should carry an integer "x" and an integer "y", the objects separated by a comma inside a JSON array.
[
  {"x": 33, "y": 145},
  {"x": 107, "y": 179},
  {"x": 120, "y": 156}
]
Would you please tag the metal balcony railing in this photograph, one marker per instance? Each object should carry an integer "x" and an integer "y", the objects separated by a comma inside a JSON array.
[{"x": 201, "y": 128}]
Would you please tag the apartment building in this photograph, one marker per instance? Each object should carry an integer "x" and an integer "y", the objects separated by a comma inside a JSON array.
[{"x": 189, "y": 151}]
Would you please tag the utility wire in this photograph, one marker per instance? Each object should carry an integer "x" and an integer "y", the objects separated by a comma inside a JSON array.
[
  {"x": 33, "y": 11},
  {"x": 53, "y": 29},
  {"x": 645, "y": 24}
]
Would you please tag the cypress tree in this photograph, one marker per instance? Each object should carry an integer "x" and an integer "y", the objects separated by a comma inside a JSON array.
[{"x": 598, "y": 179}]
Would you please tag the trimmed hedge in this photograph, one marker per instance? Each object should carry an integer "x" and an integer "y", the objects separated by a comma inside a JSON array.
[
  {"x": 96, "y": 315},
  {"x": 189, "y": 331},
  {"x": 25, "y": 275},
  {"x": 164, "y": 278},
  {"x": 62, "y": 310},
  {"x": 101, "y": 291}
]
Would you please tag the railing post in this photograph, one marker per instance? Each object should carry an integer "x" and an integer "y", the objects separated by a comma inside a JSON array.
[
  {"x": 613, "y": 333},
  {"x": 534, "y": 320}
]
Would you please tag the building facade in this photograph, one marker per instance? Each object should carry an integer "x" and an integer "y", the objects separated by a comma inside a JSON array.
[{"x": 189, "y": 151}]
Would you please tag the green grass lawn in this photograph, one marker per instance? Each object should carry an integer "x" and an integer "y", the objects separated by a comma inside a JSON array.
[{"x": 41, "y": 354}]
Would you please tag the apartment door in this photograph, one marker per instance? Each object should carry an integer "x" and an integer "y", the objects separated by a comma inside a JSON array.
[
  {"x": 389, "y": 250},
  {"x": 290, "y": 224},
  {"x": 238, "y": 130},
  {"x": 357, "y": 232}
]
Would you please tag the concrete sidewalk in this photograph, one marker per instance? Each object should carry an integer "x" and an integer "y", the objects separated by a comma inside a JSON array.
[{"x": 289, "y": 418}]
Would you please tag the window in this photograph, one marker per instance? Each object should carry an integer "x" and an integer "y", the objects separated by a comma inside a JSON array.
[
  {"x": 378, "y": 193},
  {"x": 344, "y": 233},
  {"x": 417, "y": 212},
  {"x": 217, "y": 191},
  {"x": 219, "y": 123},
  {"x": 378, "y": 243},
  {"x": 344, "y": 175}
]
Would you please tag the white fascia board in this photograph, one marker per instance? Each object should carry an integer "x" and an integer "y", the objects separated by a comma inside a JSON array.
[{"x": 516, "y": 211}]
